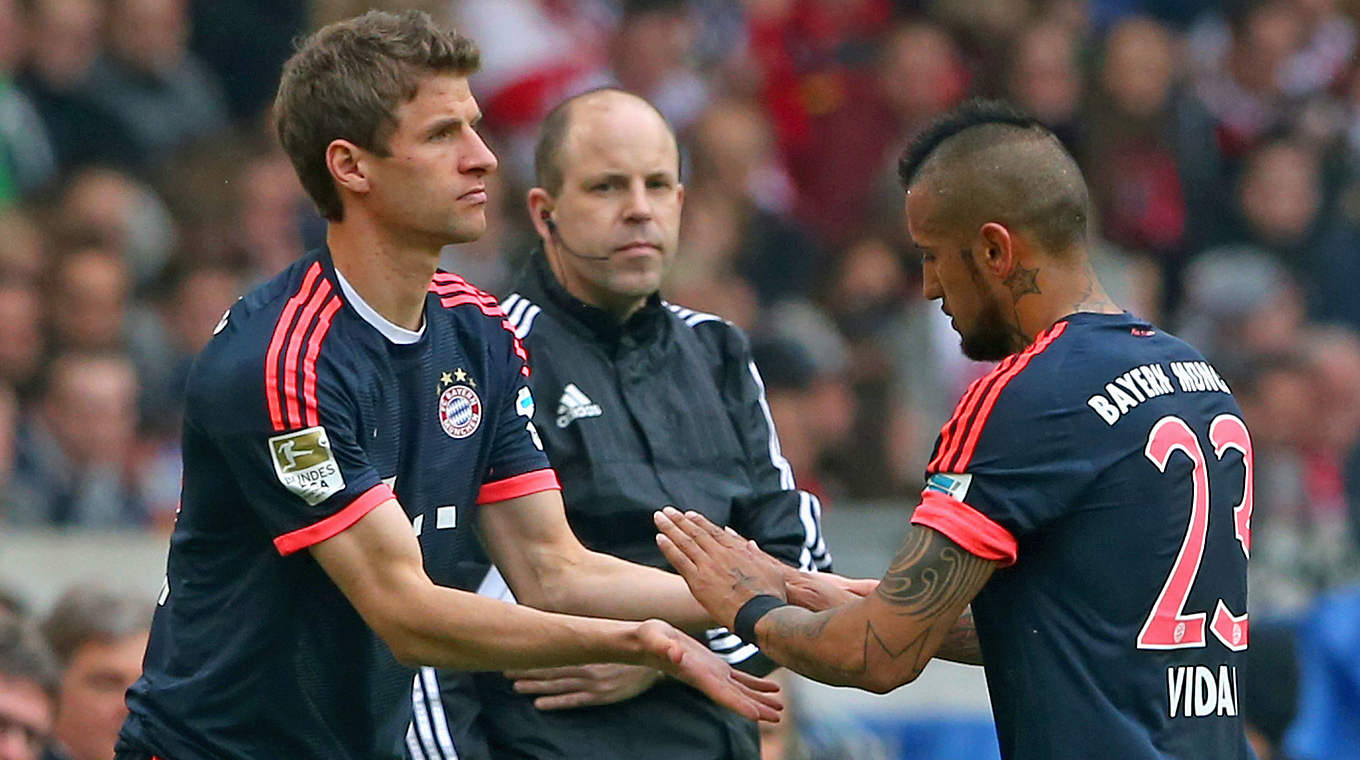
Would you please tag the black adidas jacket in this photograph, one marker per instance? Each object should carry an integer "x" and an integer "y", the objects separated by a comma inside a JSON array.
[{"x": 665, "y": 409}]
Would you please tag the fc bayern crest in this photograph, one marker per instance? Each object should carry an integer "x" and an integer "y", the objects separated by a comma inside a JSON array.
[{"x": 460, "y": 411}]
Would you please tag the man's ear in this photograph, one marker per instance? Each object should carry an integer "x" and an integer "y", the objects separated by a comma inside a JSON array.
[
  {"x": 347, "y": 163},
  {"x": 540, "y": 203},
  {"x": 998, "y": 246}
]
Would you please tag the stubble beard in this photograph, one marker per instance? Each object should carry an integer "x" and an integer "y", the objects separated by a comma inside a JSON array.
[{"x": 991, "y": 339}]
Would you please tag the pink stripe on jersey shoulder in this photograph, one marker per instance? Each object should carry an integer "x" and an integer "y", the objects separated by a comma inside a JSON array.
[
  {"x": 281, "y": 330},
  {"x": 977, "y": 533},
  {"x": 294, "y": 352},
  {"x": 957, "y": 453},
  {"x": 975, "y": 430},
  {"x": 323, "y": 326},
  {"x": 951, "y": 433}
]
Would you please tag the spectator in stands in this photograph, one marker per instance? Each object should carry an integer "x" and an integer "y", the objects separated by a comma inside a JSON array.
[
  {"x": 21, "y": 336},
  {"x": 1283, "y": 209},
  {"x": 99, "y": 638},
  {"x": 1150, "y": 148},
  {"x": 27, "y": 161},
  {"x": 246, "y": 42},
  {"x": 87, "y": 300},
  {"x": 1044, "y": 78},
  {"x": 1302, "y": 543},
  {"x": 9, "y": 423},
  {"x": 66, "y": 41},
  {"x": 869, "y": 295},
  {"x": 811, "y": 407},
  {"x": 740, "y": 208},
  {"x": 189, "y": 305},
  {"x": 1238, "y": 63},
  {"x": 75, "y": 448},
  {"x": 28, "y": 685},
  {"x": 22, "y": 254},
  {"x": 273, "y": 210},
  {"x": 157, "y": 90},
  {"x": 867, "y": 115},
  {"x": 120, "y": 213},
  {"x": 650, "y": 56},
  {"x": 1240, "y": 302}
]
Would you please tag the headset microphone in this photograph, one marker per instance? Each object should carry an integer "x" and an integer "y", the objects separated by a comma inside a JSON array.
[{"x": 552, "y": 230}]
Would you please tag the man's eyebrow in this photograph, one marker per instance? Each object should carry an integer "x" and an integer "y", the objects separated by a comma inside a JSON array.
[{"x": 453, "y": 121}]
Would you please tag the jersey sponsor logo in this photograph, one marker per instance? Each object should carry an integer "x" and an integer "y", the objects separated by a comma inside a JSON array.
[
  {"x": 953, "y": 486},
  {"x": 305, "y": 465},
  {"x": 1199, "y": 691},
  {"x": 575, "y": 405}
]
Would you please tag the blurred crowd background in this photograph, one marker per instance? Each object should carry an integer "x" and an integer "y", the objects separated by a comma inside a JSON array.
[{"x": 141, "y": 191}]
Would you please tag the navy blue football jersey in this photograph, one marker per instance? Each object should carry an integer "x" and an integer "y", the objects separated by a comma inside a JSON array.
[
  {"x": 304, "y": 412},
  {"x": 1107, "y": 466}
]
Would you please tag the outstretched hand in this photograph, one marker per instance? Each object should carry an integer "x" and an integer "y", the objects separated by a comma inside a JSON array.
[
  {"x": 822, "y": 591},
  {"x": 723, "y": 570},
  {"x": 682, "y": 657},
  {"x": 603, "y": 683}
]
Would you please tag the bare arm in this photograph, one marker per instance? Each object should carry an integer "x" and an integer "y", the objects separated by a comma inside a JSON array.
[
  {"x": 961, "y": 643},
  {"x": 377, "y": 564},
  {"x": 546, "y": 566},
  {"x": 822, "y": 591},
  {"x": 877, "y": 643}
]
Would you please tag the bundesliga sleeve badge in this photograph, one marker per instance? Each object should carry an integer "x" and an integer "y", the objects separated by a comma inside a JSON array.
[
  {"x": 460, "y": 409},
  {"x": 305, "y": 465}
]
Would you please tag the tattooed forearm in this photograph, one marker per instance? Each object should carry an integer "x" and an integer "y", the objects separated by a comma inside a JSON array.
[
  {"x": 961, "y": 643},
  {"x": 800, "y": 626},
  {"x": 931, "y": 573},
  {"x": 884, "y": 640},
  {"x": 796, "y": 638}
]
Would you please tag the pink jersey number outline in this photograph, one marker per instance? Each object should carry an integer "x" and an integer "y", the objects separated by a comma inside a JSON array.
[{"x": 1167, "y": 625}]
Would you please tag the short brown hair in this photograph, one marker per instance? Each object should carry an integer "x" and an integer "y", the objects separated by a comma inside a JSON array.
[
  {"x": 24, "y": 656},
  {"x": 346, "y": 82},
  {"x": 85, "y": 614}
]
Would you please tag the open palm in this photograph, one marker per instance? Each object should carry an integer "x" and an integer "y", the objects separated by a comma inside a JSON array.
[{"x": 682, "y": 657}]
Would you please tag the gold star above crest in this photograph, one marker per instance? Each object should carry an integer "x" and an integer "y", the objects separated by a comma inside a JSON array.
[
  {"x": 459, "y": 375},
  {"x": 445, "y": 379}
]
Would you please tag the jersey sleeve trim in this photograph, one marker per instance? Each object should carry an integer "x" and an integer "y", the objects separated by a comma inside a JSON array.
[
  {"x": 335, "y": 524},
  {"x": 959, "y": 436},
  {"x": 967, "y": 527},
  {"x": 519, "y": 485}
]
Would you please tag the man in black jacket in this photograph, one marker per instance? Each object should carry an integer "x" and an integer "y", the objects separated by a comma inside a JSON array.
[{"x": 640, "y": 403}]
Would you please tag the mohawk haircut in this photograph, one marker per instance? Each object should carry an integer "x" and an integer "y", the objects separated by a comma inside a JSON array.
[
  {"x": 973, "y": 113},
  {"x": 988, "y": 161}
]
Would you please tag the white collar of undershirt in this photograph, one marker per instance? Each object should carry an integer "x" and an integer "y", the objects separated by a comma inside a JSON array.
[{"x": 390, "y": 330}]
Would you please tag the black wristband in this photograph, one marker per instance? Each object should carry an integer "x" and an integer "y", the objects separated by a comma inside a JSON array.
[{"x": 755, "y": 608}]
